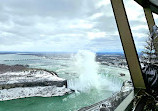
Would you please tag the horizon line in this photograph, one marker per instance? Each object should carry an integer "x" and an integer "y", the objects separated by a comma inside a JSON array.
[{"x": 59, "y": 52}]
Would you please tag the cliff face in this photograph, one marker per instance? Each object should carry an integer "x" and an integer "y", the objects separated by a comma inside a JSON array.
[{"x": 19, "y": 81}]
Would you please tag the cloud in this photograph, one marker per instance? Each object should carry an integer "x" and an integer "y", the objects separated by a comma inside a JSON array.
[
  {"x": 93, "y": 35},
  {"x": 65, "y": 25}
]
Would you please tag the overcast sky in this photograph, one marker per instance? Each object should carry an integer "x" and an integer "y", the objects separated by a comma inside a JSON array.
[{"x": 66, "y": 25}]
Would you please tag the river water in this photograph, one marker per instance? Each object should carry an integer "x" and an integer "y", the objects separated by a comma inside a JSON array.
[{"x": 91, "y": 80}]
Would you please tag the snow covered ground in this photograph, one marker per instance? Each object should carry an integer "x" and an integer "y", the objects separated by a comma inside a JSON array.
[
  {"x": 30, "y": 75},
  {"x": 31, "y": 82}
]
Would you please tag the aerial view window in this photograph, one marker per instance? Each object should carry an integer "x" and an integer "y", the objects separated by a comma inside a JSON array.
[{"x": 77, "y": 55}]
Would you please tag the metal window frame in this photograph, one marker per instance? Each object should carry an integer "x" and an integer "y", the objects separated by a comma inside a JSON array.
[{"x": 128, "y": 43}]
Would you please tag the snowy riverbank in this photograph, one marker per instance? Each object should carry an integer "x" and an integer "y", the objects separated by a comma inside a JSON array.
[
  {"x": 31, "y": 82},
  {"x": 22, "y": 92}
]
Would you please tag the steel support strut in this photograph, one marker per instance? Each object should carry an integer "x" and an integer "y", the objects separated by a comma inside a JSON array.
[
  {"x": 149, "y": 18},
  {"x": 128, "y": 43},
  {"x": 151, "y": 23}
]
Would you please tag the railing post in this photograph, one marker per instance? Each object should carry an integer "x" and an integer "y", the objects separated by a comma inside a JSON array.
[{"x": 128, "y": 43}]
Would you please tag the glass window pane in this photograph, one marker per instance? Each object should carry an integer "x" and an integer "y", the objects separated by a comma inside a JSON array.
[{"x": 47, "y": 45}]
